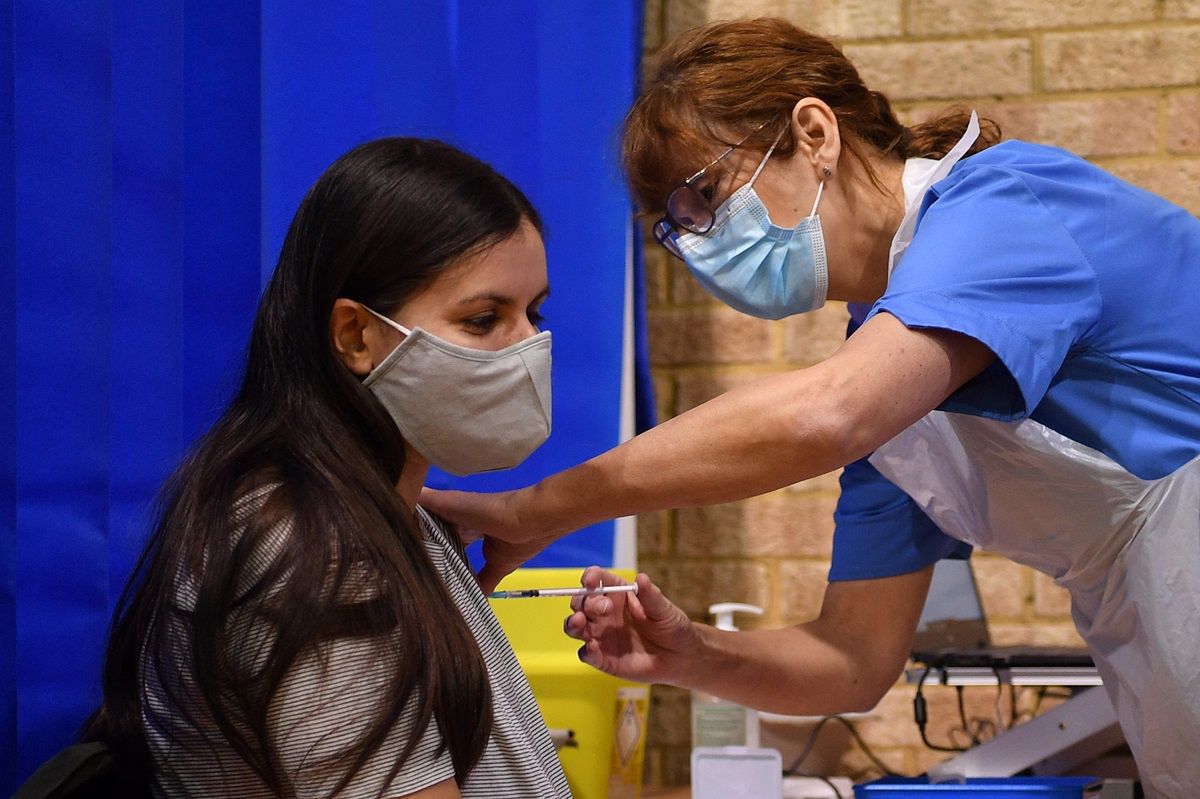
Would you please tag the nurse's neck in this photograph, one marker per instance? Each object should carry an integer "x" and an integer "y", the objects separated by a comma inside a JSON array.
[{"x": 859, "y": 223}]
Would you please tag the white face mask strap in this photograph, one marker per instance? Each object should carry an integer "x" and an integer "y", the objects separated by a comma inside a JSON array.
[
  {"x": 391, "y": 322},
  {"x": 766, "y": 158},
  {"x": 816, "y": 202}
]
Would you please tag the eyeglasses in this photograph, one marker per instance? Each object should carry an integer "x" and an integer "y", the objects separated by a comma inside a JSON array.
[{"x": 689, "y": 209}]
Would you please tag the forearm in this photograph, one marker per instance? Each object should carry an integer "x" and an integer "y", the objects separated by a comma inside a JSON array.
[
  {"x": 743, "y": 443},
  {"x": 794, "y": 670},
  {"x": 772, "y": 433}
]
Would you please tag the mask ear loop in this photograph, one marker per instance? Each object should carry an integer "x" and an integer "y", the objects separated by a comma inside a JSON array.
[
  {"x": 388, "y": 321},
  {"x": 816, "y": 202},
  {"x": 767, "y": 157}
]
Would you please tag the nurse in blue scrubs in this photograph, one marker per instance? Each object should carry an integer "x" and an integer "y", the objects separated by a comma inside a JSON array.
[{"x": 1022, "y": 375}]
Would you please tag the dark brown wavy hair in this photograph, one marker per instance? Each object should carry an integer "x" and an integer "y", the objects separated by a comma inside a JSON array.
[
  {"x": 379, "y": 225},
  {"x": 714, "y": 85}
]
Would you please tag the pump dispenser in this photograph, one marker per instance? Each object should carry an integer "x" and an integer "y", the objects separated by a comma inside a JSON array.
[{"x": 719, "y": 722}]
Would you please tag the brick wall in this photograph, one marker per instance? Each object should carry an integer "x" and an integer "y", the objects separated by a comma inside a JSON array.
[{"x": 1117, "y": 82}]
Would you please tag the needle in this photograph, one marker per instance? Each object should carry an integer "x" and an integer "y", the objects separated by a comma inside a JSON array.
[{"x": 534, "y": 592}]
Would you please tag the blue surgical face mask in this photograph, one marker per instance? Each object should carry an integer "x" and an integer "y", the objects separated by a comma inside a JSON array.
[{"x": 755, "y": 266}]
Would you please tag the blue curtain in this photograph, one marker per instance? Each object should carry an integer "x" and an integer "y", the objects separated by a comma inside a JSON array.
[{"x": 151, "y": 156}]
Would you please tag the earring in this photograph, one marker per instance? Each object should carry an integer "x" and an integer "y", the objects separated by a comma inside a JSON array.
[{"x": 827, "y": 170}]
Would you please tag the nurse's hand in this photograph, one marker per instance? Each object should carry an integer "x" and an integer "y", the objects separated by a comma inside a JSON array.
[
  {"x": 642, "y": 636},
  {"x": 493, "y": 517}
]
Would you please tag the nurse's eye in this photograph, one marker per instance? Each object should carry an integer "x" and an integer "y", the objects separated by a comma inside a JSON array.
[
  {"x": 535, "y": 317},
  {"x": 709, "y": 191}
]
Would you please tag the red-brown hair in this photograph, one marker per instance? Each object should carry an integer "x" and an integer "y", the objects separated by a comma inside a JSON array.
[{"x": 727, "y": 80}]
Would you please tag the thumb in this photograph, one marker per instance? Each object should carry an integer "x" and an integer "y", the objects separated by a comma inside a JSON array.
[
  {"x": 437, "y": 500},
  {"x": 649, "y": 602},
  {"x": 489, "y": 577}
]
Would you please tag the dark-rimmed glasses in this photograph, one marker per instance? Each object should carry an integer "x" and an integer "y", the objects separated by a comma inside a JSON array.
[{"x": 688, "y": 208}]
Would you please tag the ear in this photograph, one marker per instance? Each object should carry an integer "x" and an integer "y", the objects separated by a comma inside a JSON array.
[
  {"x": 347, "y": 324},
  {"x": 818, "y": 139}
]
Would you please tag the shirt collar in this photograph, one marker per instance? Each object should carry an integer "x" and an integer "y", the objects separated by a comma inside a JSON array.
[{"x": 919, "y": 175}]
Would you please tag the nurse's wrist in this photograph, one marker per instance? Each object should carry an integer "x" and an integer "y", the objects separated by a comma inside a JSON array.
[
  {"x": 539, "y": 514},
  {"x": 709, "y": 656}
]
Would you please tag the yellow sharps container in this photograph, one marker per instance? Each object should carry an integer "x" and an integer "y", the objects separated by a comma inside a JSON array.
[{"x": 602, "y": 719}]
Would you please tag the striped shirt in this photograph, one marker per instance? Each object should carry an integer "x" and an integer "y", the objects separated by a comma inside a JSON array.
[{"x": 326, "y": 700}]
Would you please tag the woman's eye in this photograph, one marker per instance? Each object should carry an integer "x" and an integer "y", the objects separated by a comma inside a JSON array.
[
  {"x": 709, "y": 191},
  {"x": 535, "y": 317},
  {"x": 483, "y": 323}
]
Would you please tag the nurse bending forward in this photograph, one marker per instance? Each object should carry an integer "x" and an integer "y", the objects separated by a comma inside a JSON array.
[
  {"x": 299, "y": 626},
  {"x": 1022, "y": 374}
]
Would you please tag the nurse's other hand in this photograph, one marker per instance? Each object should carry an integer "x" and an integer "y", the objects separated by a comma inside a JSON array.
[
  {"x": 492, "y": 517},
  {"x": 642, "y": 636}
]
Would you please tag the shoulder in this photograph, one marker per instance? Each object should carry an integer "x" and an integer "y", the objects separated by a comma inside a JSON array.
[{"x": 1016, "y": 176}]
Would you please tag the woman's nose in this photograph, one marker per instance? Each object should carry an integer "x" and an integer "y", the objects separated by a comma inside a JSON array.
[{"x": 523, "y": 330}]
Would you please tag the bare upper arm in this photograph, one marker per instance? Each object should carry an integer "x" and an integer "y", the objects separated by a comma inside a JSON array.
[
  {"x": 886, "y": 376},
  {"x": 446, "y": 789},
  {"x": 873, "y": 621}
]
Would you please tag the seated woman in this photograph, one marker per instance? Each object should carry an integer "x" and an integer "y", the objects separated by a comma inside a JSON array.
[{"x": 298, "y": 626}]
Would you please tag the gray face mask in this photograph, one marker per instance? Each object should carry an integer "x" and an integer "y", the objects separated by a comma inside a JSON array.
[{"x": 466, "y": 410}]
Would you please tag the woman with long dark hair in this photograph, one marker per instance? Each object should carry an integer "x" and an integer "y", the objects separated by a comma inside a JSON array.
[{"x": 298, "y": 626}]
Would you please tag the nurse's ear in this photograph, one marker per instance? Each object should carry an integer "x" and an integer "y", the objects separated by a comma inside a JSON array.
[
  {"x": 818, "y": 141},
  {"x": 356, "y": 336}
]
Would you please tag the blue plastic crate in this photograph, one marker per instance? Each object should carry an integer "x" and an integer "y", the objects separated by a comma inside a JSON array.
[{"x": 977, "y": 788}]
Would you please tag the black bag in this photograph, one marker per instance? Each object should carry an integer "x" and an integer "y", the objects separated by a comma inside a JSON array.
[{"x": 82, "y": 771}]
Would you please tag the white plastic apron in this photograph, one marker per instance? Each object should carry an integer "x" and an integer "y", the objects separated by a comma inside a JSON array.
[{"x": 1127, "y": 549}]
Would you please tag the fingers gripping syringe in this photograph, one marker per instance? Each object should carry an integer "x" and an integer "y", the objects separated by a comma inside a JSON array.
[{"x": 535, "y": 592}]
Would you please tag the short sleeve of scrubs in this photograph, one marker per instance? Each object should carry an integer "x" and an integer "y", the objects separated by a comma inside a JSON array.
[
  {"x": 878, "y": 530},
  {"x": 990, "y": 261}
]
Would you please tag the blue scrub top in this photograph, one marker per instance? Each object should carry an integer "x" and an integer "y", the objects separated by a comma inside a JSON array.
[{"x": 1085, "y": 287}]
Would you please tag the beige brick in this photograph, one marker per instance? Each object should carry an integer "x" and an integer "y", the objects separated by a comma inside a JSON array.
[
  {"x": 1181, "y": 9},
  {"x": 676, "y": 765},
  {"x": 717, "y": 335},
  {"x": 682, "y": 15},
  {"x": 921, "y": 760},
  {"x": 1042, "y": 633},
  {"x": 941, "y": 70},
  {"x": 1121, "y": 59},
  {"x": 654, "y": 534},
  {"x": 1183, "y": 123},
  {"x": 890, "y": 723},
  {"x": 685, "y": 289},
  {"x": 695, "y": 585},
  {"x": 658, "y": 280},
  {"x": 957, "y": 18},
  {"x": 1177, "y": 180},
  {"x": 664, "y": 394},
  {"x": 801, "y": 589},
  {"x": 844, "y": 19},
  {"x": 1049, "y": 599},
  {"x": 823, "y": 484},
  {"x": 1091, "y": 128},
  {"x": 652, "y": 24},
  {"x": 858, "y": 767},
  {"x": 669, "y": 722},
  {"x": 773, "y": 526},
  {"x": 1003, "y": 587},
  {"x": 790, "y": 738},
  {"x": 812, "y": 337}
]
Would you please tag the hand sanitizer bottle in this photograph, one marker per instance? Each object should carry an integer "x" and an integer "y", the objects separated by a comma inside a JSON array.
[{"x": 719, "y": 722}]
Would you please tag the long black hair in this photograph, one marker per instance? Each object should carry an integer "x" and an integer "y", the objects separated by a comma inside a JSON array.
[{"x": 379, "y": 225}]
